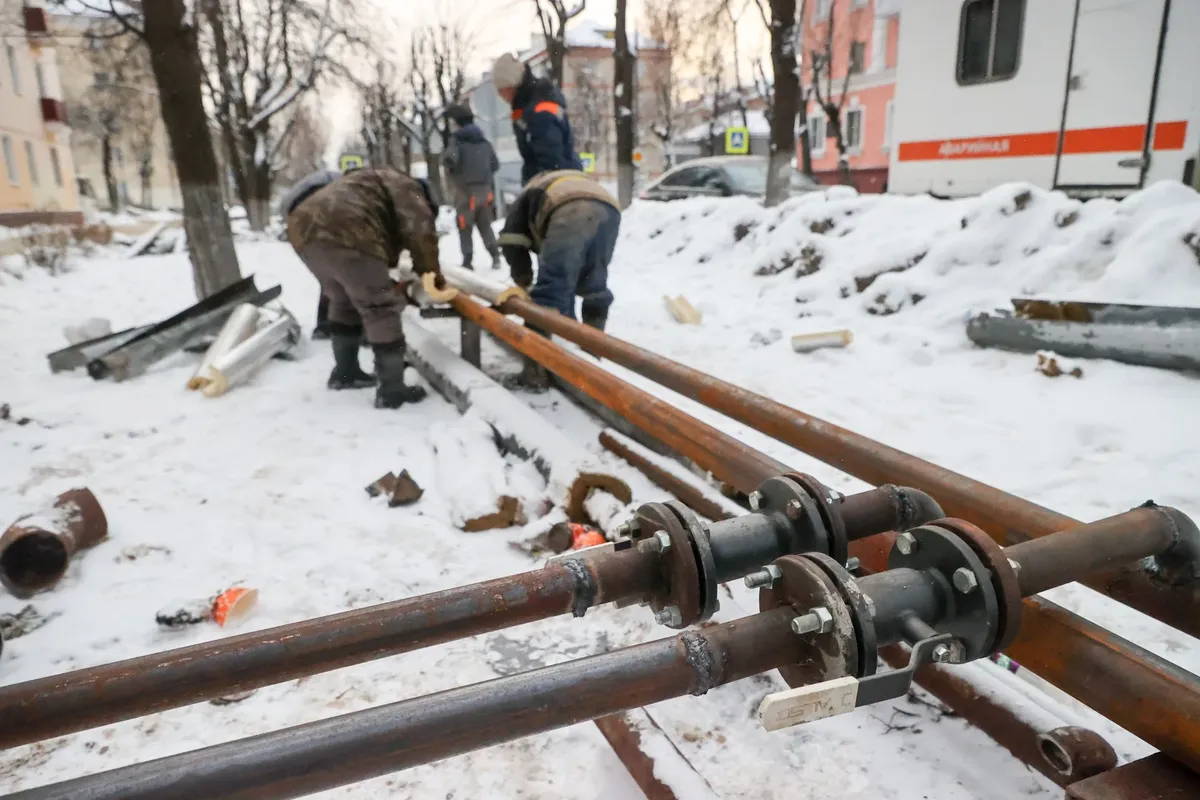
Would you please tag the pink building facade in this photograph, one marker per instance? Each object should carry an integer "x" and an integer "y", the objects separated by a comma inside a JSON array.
[{"x": 864, "y": 43}]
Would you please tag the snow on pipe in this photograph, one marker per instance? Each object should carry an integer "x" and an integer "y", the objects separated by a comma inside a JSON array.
[
  {"x": 241, "y": 324},
  {"x": 243, "y": 360},
  {"x": 35, "y": 549},
  {"x": 819, "y": 626}
]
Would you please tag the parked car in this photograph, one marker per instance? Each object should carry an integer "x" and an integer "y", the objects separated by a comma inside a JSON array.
[{"x": 721, "y": 176}]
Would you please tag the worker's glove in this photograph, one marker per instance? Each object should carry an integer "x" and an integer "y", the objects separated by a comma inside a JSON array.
[{"x": 520, "y": 265}]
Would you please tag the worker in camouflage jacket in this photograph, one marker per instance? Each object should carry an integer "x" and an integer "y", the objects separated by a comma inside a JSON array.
[
  {"x": 539, "y": 118},
  {"x": 471, "y": 164},
  {"x": 349, "y": 234}
]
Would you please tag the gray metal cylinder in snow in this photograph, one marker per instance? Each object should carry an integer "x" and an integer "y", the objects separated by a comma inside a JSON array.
[
  {"x": 238, "y": 328},
  {"x": 242, "y": 361}
]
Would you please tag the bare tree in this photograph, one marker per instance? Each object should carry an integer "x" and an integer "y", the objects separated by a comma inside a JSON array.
[
  {"x": 437, "y": 79},
  {"x": 385, "y": 134},
  {"x": 624, "y": 95},
  {"x": 169, "y": 31},
  {"x": 306, "y": 146},
  {"x": 785, "y": 100},
  {"x": 142, "y": 121},
  {"x": 263, "y": 56},
  {"x": 553, "y": 16},
  {"x": 589, "y": 118},
  {"x": 831, "y": 56},
  {"x": 665, "y": 20}
]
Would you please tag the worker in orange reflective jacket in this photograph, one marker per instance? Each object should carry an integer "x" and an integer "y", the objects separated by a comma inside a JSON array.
[{"x": 539, "y": 118}]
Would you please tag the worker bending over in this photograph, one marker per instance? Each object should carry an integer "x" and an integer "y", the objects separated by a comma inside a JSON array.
[
  {"x": 348, "y": 234},
  {"x": 571, "y": 222}
]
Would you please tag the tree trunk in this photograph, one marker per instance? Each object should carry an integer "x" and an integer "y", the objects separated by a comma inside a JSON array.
[
  {"x": 834, "y": 116},
  {"x": 624, "y": 93},
  {"x": 557, "y": 50},
  {"x": 785, "y": 104},
  {"x": 433, "y": 167},
  {"x": 258, "y": 197},
  {"x": 147, "y": 173},
  {"x": 175, "y": 59},
  {"x": 110, "y": 180}
]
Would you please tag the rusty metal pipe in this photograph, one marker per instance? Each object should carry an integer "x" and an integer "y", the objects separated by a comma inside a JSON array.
[
  {"x": 87, "y": 698},
  {"x": 1007, "y": 518},
  {"x": 688, "y": 495},
  {"x": 35, "y": 550},
  {"x": 1076, "y": 753},
  {"x": 354, "y": 747},
  {"x": 1076, "y": 553},
  {"x": 731, "y": 461}
]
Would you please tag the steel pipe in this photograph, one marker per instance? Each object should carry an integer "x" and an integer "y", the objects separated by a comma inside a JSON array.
[
  {"x": 1006, "y": 517},
  {"x": 731, "y": 461},
  {"x": 35, "y": 550},
  {"x": 87, "y": 698},
  {"x": 366, "y": 744}
]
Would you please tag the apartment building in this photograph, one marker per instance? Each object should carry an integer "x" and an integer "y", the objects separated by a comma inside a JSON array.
[
  {"x": 37, "y": 175},
  {"x": 111, "y": 95},
  {"x": 862, "y": 53}
]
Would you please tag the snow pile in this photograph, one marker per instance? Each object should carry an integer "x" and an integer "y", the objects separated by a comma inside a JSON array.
[{"x": 881, "y": 254}]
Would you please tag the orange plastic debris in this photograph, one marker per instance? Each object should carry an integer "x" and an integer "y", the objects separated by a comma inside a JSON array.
[{"x": 233, "y": 604}]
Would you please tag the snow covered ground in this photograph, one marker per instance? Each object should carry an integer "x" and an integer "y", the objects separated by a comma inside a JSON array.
[{"x": 264, "y": 487}]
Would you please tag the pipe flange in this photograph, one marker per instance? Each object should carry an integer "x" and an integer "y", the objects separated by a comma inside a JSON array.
[
  {"x": 802, "y": 522},
  {"x": 831, "y": 514},
  {"x": 702, "y": 550},
  {"x": 972, "y": 611},
  {"x": 804, "y": 586},
  {"x": 864, "y": 616},
  {"x": 679, "y": 565},
  {"x": 1004, "y": 578}
]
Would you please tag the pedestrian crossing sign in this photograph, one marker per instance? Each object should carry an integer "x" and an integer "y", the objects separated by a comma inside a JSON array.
[
  {"x": 348, "y": 162},
  {"x": 589, "y": 161},
  {"x": 737, "y": 141}
]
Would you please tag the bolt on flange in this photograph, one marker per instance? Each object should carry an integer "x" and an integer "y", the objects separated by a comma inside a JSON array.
[
  {"x": 817, "y": 620},
  {"x": 755, "y": 499},
  {"x": 906, "y": 543},
  {"x": 669, "y": 616},
  {"x": 965, "y": 580},
  {"x": 767, "y": 576}
]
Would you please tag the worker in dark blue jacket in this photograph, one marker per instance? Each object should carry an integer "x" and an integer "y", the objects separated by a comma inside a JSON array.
[{"x": 539, "y": 115}]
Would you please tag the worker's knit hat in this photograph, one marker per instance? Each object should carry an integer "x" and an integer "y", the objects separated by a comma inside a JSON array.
[{"x": 508, "y": 72}]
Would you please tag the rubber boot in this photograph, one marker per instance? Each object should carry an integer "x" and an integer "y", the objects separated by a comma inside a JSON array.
[
  {"x": 534, "y": 377},
  {"x": 496, "y": 262},
  {"x": 347, "y": 374},
  {"x": 389, "y": 366}
]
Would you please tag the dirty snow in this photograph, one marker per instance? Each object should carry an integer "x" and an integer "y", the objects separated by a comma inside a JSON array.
[{"x": 264, "y": 487}]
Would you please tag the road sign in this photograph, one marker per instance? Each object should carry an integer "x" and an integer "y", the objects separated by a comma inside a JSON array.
[
  {"x": 737, "y": 141},
  {"x": 349, "y": 161},
  {"x": 589, "y": 161}
]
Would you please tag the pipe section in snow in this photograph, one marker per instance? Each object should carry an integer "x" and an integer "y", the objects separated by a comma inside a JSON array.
[
  {"x": 238, "y": 364},
  {"x": 571, "y": 473},
  {"x": 238, "y": 328},
  {"x": 35, "y": 549}
]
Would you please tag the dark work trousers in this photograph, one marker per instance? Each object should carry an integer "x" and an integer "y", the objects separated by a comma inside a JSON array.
[
  {"x": 576, "y": 251},
  {"x": 359, "y": 289},
  {"x": 474, "y": 207}
]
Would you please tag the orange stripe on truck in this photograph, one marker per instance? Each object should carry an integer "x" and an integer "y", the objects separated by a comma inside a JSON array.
[{"x": 1081, "y": 141}]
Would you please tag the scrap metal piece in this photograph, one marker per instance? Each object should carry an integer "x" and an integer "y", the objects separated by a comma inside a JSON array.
[
  {"x": 1076, "y": 753},
  {"x": 401, "y": 490},
  {"x": 1155, "y": 777},
  {"x": 237, "y": 329},
  {"x": 241, "y": 361},
  {"x": 35, "y": 549}
]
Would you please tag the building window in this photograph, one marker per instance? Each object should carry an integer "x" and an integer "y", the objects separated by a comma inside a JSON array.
[
  {"x": 10, "y": 161},
  {"x": 854, "y": 129},
  {"x": 816, "y": 133},
  {"x": 39, "y": 79},
  {"x": 858, "y": 57},
  {"x": 13, "y": 67},
  {"x": 879, "y": 45},
  {"x": 823, "y": 8},
  {"x": 56, "y": 167},
  {"x": 888, "y": 118},
  {"x": 32, "y": 159},
  {"x": 989, "y": 42}
]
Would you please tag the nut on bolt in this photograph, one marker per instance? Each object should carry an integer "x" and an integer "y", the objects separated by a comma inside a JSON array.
[
  {"x": 942, "y": 654},
  {"x": 906, "y": 543},
  {"x": 965, "y": 580},
  {"x": 793, "y": 509},
  {"x": 755, "y": 499},
  {"x": 669, "y": 616},
  {"x": 663, "y": 540},
  {"x": 767, "y": 576},
  {"x": 817, "y": 620}
]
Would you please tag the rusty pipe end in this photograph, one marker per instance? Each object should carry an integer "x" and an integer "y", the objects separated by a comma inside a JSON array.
[
  {"x": 35, "y": 549},
  {"x": 1180, "y": 563},
  {"x": 1076, "y": 753}
]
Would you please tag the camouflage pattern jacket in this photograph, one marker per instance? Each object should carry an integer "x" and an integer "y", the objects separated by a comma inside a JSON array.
[{"x": 377, "y": 212}]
